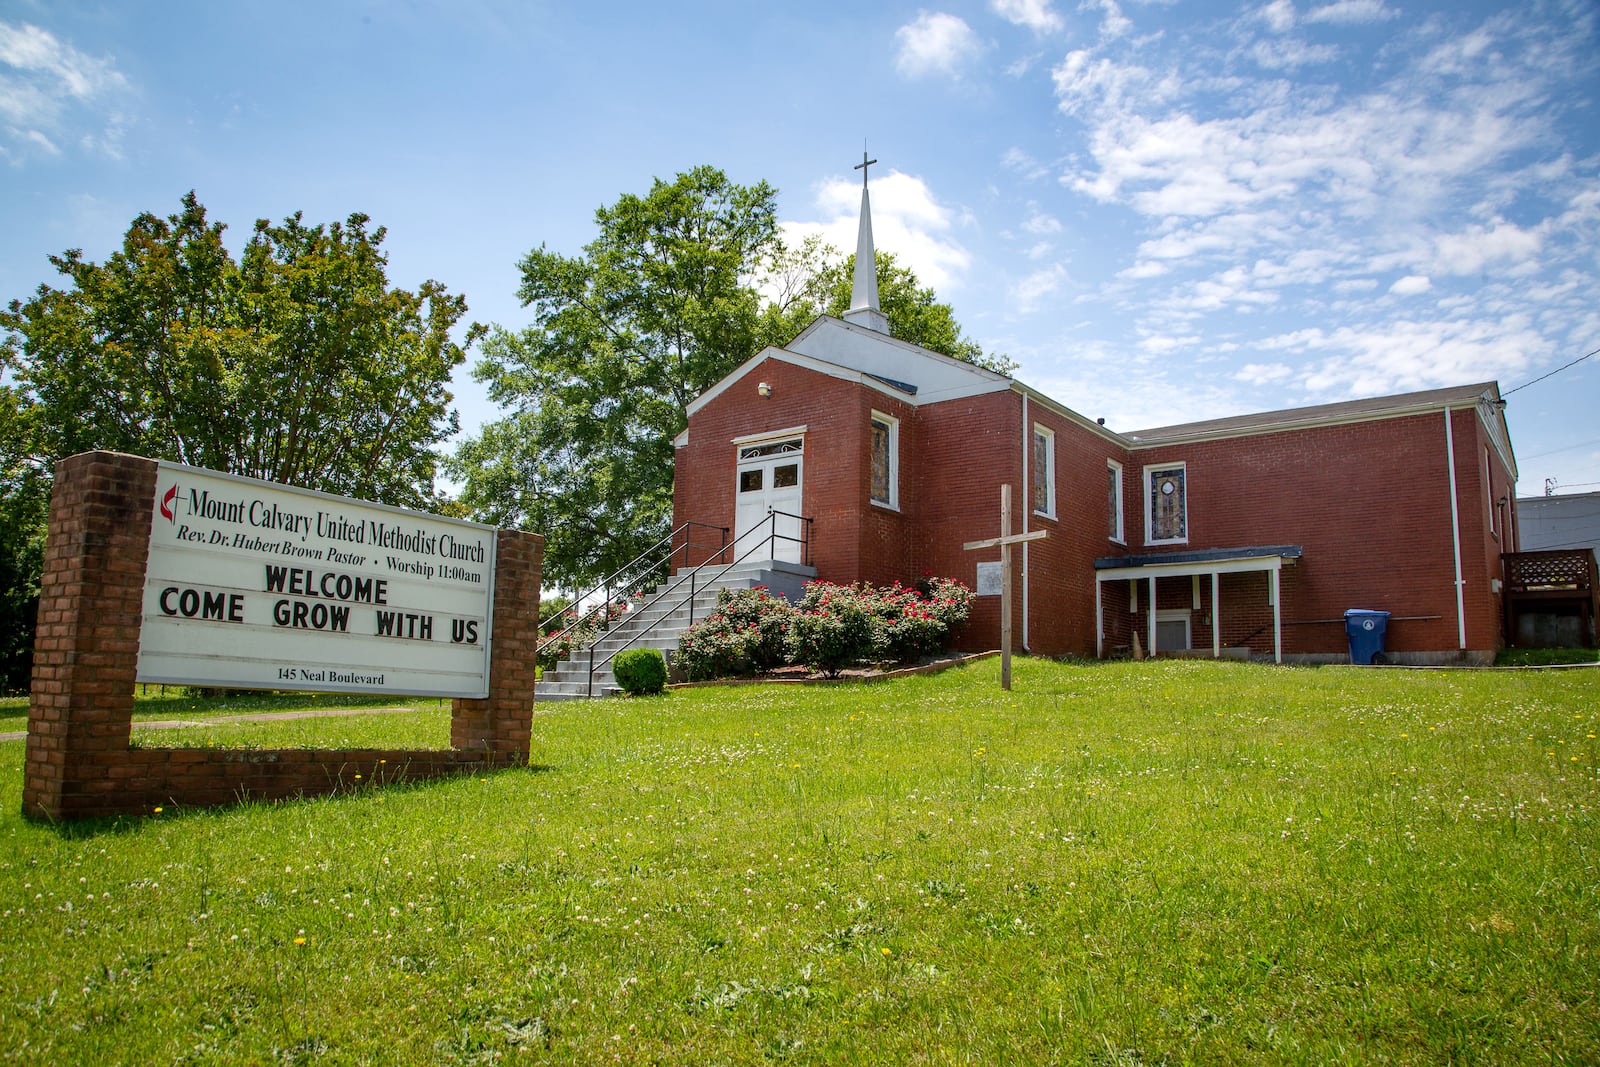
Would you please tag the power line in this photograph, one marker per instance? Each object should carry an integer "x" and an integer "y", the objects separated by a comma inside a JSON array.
[
  {"x": 1558, "y": 370},
  {"x": 1563, "y": 448}
]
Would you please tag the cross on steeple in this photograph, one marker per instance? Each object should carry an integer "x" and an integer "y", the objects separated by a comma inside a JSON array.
[{"x": 862, "y": 167}]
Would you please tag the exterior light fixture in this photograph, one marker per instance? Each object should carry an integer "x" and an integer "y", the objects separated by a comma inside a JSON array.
[{"x": 765, "y": 389}]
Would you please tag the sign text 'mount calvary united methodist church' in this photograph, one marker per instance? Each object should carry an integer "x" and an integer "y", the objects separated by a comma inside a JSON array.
[{"x": 258, "y": 585}]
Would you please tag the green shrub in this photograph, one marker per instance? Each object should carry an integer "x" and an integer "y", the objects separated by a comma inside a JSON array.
[{"x": 640, "y": 671}]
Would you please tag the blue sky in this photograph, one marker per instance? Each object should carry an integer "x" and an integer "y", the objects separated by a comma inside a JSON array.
[{"x": 1163, "y": 211}]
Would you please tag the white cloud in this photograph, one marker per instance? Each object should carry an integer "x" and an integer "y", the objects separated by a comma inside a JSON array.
[
  {"x": 1349, "y": 12},
  {"x": 1289, "y": 54},
  {"x": 1411, "y": 285},
  {"x": 1408, "y": 354},
  {"x": 1018, "y": 160},
  {"x": 1263, "y": 373},
  {"x": 936, "y": 43},
  {"x": 1086, "y": 85},
  {"x": 1040, "y": 223},
  {"x": 1037, "y": 15},
  {"x": 1470, "y": 250},
  {"x": 1027, "y": 294},
  {"x": 1114, "y": 24},
  {"x": 1143, "y": 270},
  {"x": 1278, "y": 15},
  {"x": 44, "y": 84},
  {"x": 907, "y": 220}
]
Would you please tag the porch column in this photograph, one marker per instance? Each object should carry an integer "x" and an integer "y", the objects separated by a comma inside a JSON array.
[
  {"x": 1216, "y": 615},
  {"x": 1099, "y": 623},
  {"x": 1152, "y": 610},
  {"x": 1277, "y": 618}
]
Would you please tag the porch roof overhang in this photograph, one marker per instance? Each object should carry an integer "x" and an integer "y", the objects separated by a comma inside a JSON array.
[{"x": 1199, "y": 561}]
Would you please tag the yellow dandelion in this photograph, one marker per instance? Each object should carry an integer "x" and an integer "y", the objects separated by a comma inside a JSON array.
[
  {"x": 158, "y": 806},
  {"x": 299, "y": 940},
  {"x": 886, "y": 952}
]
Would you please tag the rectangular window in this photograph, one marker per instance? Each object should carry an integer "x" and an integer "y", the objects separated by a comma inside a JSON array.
[
  {"x": 1114, "y": 501},
  {"x": 1166, "y": 505},
  {"x": 885, "y": 460},
  {"x": 1044, "y": 472},
  {"x": 1488, "y": 492}
]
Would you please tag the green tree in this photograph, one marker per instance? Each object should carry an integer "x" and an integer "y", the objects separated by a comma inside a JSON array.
[
  {"x": 24, "y": 498},
  {"x": 655, "y": 311},
  {"x": 297, "y": 363}
]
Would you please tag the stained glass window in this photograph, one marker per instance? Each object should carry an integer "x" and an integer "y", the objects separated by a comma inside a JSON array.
[{"x": 1168, "y": 504}]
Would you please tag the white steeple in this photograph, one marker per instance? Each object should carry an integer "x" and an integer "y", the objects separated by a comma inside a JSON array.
[{"x": 864, "y": 310}]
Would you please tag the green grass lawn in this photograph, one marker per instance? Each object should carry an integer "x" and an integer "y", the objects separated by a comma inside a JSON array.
[{"x": 1172, "y": 862}]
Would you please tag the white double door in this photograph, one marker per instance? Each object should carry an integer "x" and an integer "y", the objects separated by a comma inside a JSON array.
[{"x": 770, "y": 477}]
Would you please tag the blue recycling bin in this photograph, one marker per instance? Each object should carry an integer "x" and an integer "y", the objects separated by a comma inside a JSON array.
[{"x": 1365, "y": 629}]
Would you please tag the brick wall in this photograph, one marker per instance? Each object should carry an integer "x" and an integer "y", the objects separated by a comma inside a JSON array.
[{"x": 78, "y": 761}]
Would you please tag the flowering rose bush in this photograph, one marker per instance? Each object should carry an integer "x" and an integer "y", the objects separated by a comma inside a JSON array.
[
  {"x": 747, "y": 633},
  {"x": 833, "y": 627},
  {"x": 768, "y": 616}
]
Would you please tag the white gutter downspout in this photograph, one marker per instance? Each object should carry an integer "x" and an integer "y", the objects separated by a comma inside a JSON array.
[
  {"x": 1455, "y": 531},
  {"x": 1027, "y": 506}
]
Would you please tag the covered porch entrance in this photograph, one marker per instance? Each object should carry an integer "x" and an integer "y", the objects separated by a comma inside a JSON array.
[{"x": 1143, "y": 572}]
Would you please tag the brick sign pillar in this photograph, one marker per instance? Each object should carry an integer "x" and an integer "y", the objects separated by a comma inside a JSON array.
[
  {"x": 502, "y": 726},
  {"x": 86, "y": 645},
  {"x": 86, "y": 659}
]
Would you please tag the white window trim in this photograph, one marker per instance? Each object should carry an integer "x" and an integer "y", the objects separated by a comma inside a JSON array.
[
  {"x": 893, "y": 503},
  {"x": 1049, "y": 510},
  {"x": 1144, "y": 504},
  {"x": 1121, "y": 534}
]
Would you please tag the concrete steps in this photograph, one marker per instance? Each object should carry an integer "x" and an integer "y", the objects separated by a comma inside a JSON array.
[{"x": 665, "y": 614}]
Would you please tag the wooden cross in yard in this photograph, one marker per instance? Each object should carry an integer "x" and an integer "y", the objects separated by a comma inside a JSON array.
[{"x": 1005, "y": 541}]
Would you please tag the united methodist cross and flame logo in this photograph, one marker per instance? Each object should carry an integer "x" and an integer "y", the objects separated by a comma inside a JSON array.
[{"x": 167, "y": 510}]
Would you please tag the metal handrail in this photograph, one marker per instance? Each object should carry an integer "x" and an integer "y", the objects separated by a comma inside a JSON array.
[
  {"x": 611, "y": 581},
  {"x": 769, "y": 540}
]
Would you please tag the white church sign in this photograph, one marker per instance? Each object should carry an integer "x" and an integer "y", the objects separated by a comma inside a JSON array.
[{"x": 256, "y": 585}]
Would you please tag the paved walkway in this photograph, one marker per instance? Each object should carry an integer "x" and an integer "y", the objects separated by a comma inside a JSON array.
[{"x": 262, "y": 716}]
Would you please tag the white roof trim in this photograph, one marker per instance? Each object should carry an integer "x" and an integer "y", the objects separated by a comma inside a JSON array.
[{"x": 768, "y": 435}]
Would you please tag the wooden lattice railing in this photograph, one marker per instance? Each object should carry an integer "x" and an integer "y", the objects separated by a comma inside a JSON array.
[{"x": 1558, "y": 569}]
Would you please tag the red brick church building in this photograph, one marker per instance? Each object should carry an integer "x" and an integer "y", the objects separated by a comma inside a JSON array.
[{"x": 878, "y": 460}]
